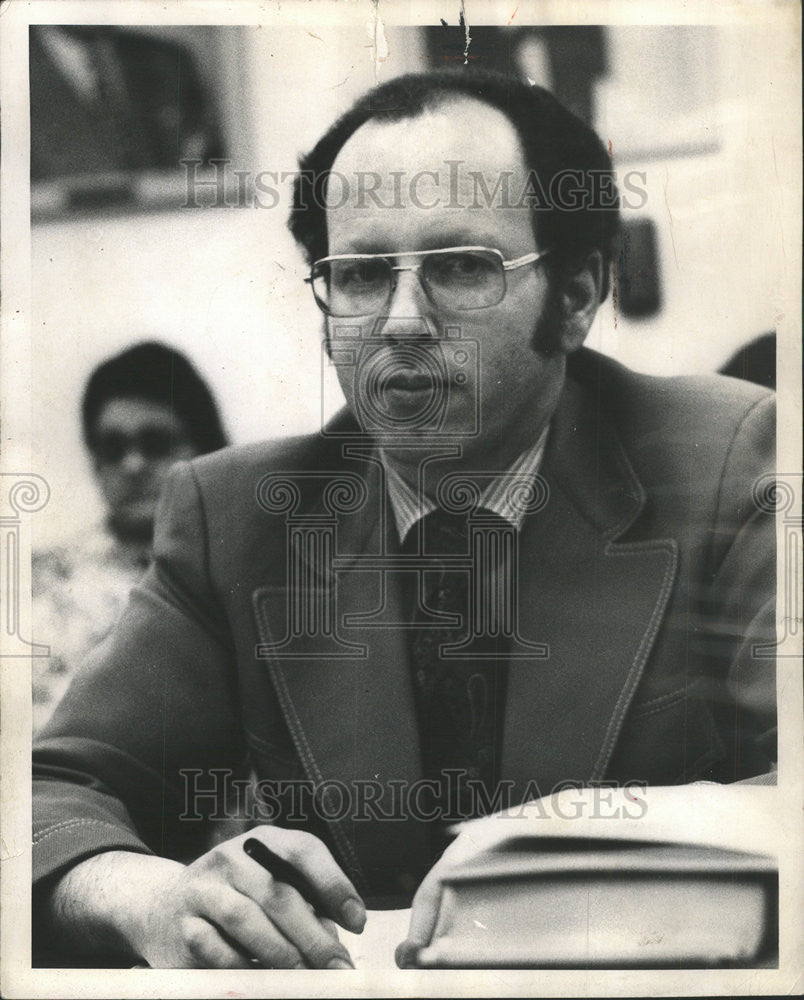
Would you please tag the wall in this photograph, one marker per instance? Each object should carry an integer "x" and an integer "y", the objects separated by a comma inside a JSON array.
[
  {"x": 705, "y": 134},
  {"x": 226, "y": 284}
]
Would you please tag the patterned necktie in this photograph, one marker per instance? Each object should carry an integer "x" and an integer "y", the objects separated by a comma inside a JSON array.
[{"x": 459, "y": 697}]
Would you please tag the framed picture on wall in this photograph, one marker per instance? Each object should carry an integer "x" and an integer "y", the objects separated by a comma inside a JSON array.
[{"x": 119, "y": 113}]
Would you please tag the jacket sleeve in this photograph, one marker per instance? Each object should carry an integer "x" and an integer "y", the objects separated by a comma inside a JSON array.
[
  {"x": 151, "y": 714},
  {"x": 740, "y": 633}
]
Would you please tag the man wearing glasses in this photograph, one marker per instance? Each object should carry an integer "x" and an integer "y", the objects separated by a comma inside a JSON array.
[{"x": 510, "y": 563}]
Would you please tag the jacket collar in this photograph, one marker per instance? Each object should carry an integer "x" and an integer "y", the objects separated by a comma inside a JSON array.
[{"x": 585, "y": 455}]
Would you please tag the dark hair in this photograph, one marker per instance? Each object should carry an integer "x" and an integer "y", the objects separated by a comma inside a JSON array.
[
  {"x": 160, "y": 374},
  {"x": 553, "y": 140}
]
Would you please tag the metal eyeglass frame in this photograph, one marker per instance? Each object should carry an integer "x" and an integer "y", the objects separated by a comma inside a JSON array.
[{"x": 507, "y": 265}]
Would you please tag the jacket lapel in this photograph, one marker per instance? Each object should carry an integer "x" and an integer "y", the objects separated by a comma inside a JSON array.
[
  {"x": 595, "y": 602},
  {"x": 349, "y": 705}
]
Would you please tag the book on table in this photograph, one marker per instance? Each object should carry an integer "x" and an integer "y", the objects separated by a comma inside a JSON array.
[{"x": 632, "y": 894}]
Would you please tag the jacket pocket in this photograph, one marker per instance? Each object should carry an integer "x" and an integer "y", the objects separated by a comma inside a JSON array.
[
  {"x": 670, "y": 740},
  {"x": 272, "y": 762}
]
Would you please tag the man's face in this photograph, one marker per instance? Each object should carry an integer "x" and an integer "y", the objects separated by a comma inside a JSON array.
[
  {"x": 491, "y": 379},
  {"x": 135, "y": 442}
]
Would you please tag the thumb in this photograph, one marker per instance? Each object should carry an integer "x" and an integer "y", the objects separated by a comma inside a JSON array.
[{"x": 422, "y": 921}]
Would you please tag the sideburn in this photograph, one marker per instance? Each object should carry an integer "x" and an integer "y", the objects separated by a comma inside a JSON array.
[{"x": 546, "y": 337}]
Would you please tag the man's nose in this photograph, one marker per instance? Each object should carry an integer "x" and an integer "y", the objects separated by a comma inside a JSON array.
[
  {"x": 409, "y": 313},
  {"x": 133, "y": 461}
]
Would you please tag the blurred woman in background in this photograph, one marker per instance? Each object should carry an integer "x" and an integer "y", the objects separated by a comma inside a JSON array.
[{"x": 142, "y": 410}]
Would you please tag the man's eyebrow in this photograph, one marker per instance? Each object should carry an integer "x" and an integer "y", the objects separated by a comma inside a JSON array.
[
  {"x": 459, "y": 238},
  {"x": 358, "y": 246}
]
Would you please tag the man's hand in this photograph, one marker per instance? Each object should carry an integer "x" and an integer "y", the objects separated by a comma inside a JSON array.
[
  {"x": 424, "y": 912},
  {"x": 222, "y": 911}
]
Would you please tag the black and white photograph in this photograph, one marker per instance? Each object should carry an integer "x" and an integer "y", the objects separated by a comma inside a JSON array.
[{"x": 401, "y": 571}]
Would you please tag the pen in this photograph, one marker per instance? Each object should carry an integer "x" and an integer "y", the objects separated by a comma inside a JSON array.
[
  {"x": 281, "y": 870},
  {"x": 285, "y": 872}
]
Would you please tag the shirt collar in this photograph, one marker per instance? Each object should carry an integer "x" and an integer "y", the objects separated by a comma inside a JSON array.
[{"x": 409, "y": 507}]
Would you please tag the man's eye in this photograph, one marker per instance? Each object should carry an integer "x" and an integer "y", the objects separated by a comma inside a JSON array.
[
  {"x": 358, "y": 274},
  {"x": 459, "y": 267}
]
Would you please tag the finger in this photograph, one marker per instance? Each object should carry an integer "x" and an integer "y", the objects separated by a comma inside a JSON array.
[
  {"x": 330, "y": 926},
  {"x": 292, "y": 915},
  {"x": 289, "y": 913},
  {"x": 247, "y": 926},
  {"x": 205, "y": 948},
  {"x": 423, "y": 915},
  {"x": 336, "y": 897}
]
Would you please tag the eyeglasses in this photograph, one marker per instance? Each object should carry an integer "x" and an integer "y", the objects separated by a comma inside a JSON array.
[
  {"x": 459, "y": 278},
  {"x": 152, "y": 444}
]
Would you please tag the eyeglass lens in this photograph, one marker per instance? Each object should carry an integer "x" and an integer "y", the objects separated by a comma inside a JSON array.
[
  {"x": 361, "y": 286},
  {"x": 151, "y": 444}
]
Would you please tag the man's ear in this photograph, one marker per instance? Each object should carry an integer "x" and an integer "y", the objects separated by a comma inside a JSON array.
[{"x": 581, "y": 286}]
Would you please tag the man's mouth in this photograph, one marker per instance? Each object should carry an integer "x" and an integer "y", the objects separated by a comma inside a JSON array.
[{"x": 412, "y": 381}]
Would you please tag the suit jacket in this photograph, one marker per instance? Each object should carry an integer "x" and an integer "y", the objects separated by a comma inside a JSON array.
[{"x": 646, "y": 593}]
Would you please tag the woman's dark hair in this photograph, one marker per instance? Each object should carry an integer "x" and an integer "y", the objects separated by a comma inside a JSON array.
[
  {"x": 162, "y": 375},
  {"x": 555, "y": 143}
]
